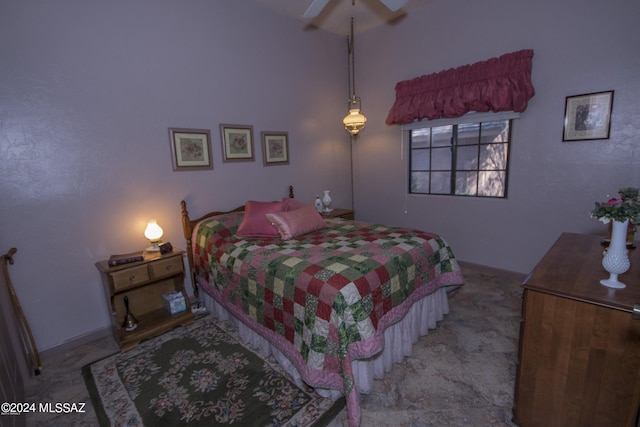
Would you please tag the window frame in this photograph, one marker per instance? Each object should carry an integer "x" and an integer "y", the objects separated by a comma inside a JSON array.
[{"x": 470, "y": 118}]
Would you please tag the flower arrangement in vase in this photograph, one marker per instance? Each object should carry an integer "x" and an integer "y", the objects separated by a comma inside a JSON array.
[
  {"x": 620, "y": 208},
  {"x": 620, "y": 212}
]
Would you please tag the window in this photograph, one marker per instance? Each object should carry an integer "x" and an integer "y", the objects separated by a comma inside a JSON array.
[{"x": 464, "y": 157}]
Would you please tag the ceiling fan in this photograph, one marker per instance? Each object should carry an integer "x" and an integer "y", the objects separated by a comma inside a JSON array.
[{"x": 317, "y": 6}]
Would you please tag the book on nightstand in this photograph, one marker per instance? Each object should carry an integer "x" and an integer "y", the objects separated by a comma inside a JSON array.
[{"x": 125, "y": 258}]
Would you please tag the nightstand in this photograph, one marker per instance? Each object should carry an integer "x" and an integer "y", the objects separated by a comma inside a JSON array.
[
  {"x": 339, "y": 213},
  {"x": 143, "y": 283}
]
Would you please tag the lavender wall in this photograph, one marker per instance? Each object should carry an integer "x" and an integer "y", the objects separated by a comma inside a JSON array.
[
  {"x": 581, "y": 46},
  {"x": 87, "y": 93},
  {"x": 88, "y": 90}
]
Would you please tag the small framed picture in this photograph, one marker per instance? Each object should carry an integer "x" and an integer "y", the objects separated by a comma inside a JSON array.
[
  {"x": 237, "y": 143},
  {"x": 190, "y": 149},
  {"x": 275, "y": 148},
  {"x": 588, "y": 116}
]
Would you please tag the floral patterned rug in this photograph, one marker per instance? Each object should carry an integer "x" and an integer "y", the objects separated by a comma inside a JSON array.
[{"x": 200, "y": 375}]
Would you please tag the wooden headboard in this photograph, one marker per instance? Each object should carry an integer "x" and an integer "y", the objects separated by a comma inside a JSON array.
[{"x": 188, "y": 225}]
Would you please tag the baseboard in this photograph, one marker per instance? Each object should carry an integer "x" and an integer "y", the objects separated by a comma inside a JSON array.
[
  {"x": 485, "y": 269},
  {"x": 75, "y": 342}
]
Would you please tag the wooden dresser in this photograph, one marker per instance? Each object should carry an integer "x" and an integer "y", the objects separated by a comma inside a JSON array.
[{"x": 579, "y": 353}]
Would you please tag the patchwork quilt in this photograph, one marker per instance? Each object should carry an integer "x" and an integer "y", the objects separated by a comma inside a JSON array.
[{"x": 323, "y": 294}]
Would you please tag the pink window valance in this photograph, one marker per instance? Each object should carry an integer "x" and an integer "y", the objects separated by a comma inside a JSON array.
[{"x": 498, "y": 84}]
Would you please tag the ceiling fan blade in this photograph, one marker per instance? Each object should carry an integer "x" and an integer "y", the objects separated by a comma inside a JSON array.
[
  {"x": 394, "y": 5},
  {"x": 315, "y": 8}
]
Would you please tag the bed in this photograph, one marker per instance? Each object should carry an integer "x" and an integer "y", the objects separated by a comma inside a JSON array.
[{"x": 336, "y": 301}]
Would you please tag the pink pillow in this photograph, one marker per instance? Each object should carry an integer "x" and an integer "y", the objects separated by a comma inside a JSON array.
[
  {"x": 292, "y": 204},
  {"x": 254, "y": 221},
  {"x": 297, "y": 222}
]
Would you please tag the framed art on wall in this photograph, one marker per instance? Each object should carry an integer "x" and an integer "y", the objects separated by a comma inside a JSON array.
[
  {"x": 237, "y": 142},
  {"x": 275, "y": 148},
  {"x": 190, "y": 149},
  {"x": 588, "y": 116}
]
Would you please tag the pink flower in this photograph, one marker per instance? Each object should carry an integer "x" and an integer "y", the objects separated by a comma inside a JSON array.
[{"x": 612, "y": 202}]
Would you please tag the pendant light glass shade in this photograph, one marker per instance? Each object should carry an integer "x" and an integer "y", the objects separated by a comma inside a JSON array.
[{"x": 355, "y": 121}]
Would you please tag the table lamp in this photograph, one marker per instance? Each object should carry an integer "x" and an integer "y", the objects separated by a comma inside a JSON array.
[{"x": 153, "y": 232}]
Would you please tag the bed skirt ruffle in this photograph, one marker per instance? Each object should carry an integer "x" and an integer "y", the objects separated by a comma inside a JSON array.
[{"x": 398, "y": 340}]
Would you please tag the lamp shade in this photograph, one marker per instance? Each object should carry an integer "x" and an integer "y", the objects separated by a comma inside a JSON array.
[
  {"x": 354, "y": 122},
  {"x": 153, "y": 232}
]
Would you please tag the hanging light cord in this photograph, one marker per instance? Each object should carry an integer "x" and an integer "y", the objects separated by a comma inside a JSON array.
[
  {"x": 351, "y": 66},
  {"x": 352, "y": 97},
  {"x": 354, "y": 121}
]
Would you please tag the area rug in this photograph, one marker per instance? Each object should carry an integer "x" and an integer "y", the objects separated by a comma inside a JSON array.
[{"x": 201, "y": 375}]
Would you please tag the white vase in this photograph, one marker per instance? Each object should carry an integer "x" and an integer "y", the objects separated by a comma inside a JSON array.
[
  {"x": 326, "y": 201},
  {"x": 616, "y": 258},
  {"x": 318, "y": 204}
]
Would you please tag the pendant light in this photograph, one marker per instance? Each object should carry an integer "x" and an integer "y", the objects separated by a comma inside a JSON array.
[{"x": 355, "y": 121}]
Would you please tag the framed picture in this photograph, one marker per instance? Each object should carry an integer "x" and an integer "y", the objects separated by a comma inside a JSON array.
[
  {"x": 588, "y": 116},
  {"x": 275, "y": 148},
  {"x": 190, "y": 149},
  {"x": 237, "y": 143}
]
